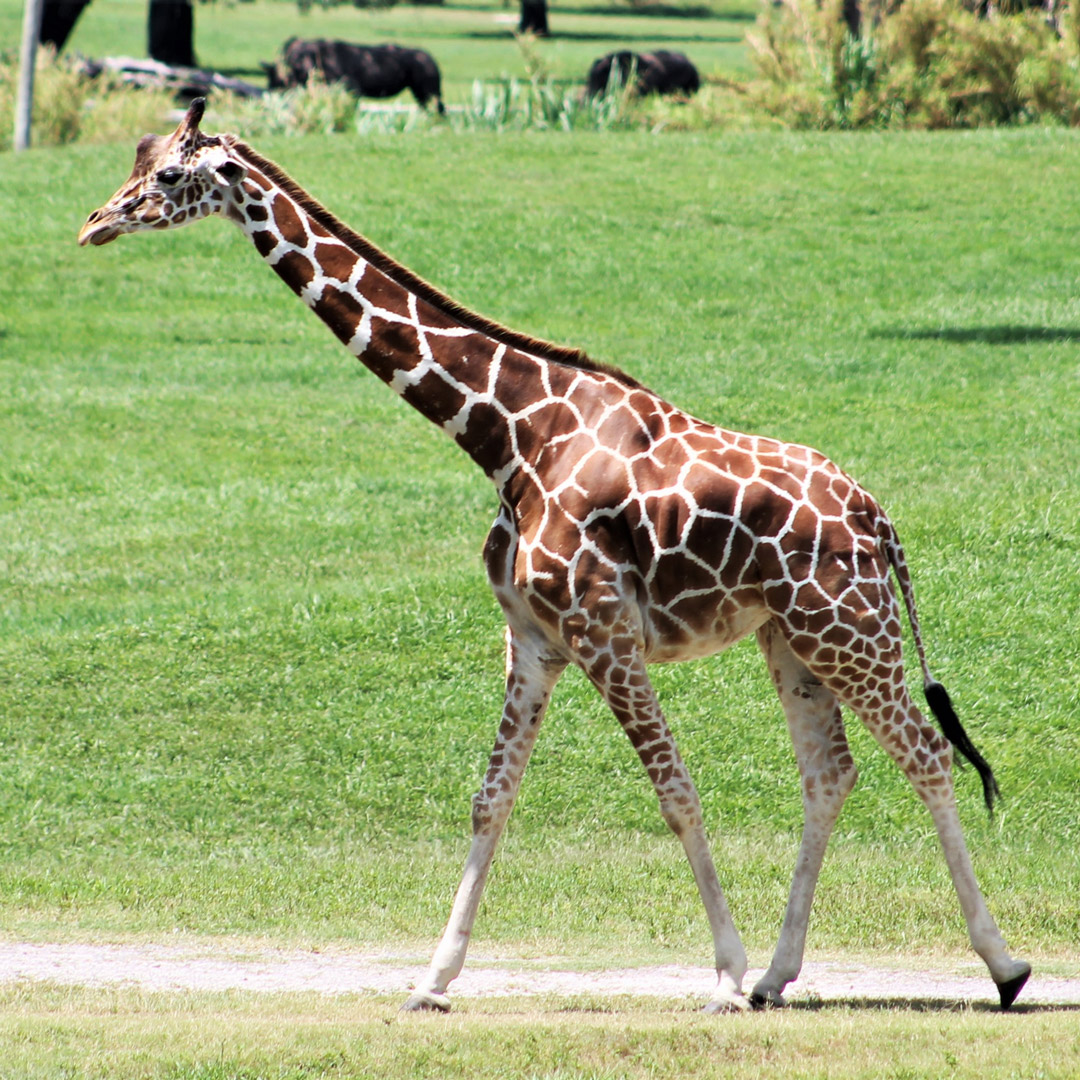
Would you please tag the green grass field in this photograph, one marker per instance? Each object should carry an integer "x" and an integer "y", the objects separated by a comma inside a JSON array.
[
  {"x": 250, "y": 669},
  {"x": 300, "y": 1037}
]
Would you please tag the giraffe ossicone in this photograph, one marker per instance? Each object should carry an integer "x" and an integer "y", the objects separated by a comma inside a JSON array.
[{"x": 628, "y": 533}]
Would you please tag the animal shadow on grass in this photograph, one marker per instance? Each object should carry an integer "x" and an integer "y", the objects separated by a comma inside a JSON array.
[
  {"x": 587, "y": 35},
  {"x": 669, "y": 11},
  {"x": 590, "y": 1005},
  {"x": 923, "y": 1005},
  {"x": 984, "y": 335}
]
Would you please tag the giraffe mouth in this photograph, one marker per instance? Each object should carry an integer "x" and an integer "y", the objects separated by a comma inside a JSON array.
[{"x": 97, "y": 232}]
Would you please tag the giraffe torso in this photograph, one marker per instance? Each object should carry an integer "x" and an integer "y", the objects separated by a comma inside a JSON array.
[{"x": 621, "y": 513}]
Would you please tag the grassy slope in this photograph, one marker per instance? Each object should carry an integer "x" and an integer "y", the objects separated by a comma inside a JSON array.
[{"x": 249, "y": 668}]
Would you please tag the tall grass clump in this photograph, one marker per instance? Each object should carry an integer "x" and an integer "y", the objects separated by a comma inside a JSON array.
[
  {"x": 536, "y": 103},
  {"x": 541, "y": 105},
  {"x": 319, "y": 108},
  {"x": 928, "y": 64},
  {"x": 70, "y": 106},
  {"x": 539, "y": 102},
  {"x": 494, "y": 105}
]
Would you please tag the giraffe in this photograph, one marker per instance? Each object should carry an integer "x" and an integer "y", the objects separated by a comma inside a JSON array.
[{"x": 627, "y": 533}]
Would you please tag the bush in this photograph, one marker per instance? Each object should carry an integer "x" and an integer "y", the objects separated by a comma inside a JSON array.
[
  {"x": 928, "y": 64},
  {"x": 71, "y": 107},
  {"x": 500, "y": 105},
  {"x": 317, "y": 108}
]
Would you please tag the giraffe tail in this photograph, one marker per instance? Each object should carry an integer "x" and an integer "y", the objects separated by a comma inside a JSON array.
[{"x": 936, "y": 695}]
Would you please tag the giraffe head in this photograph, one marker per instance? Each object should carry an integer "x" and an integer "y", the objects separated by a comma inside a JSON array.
[{"x": 177, "y": 179}]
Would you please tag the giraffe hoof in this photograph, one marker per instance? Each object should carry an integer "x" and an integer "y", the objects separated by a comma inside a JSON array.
[
  {"x": 767, "y": 999},
  {"x": 1011, "y": 987},
  {"x": 719, "y": 1006},
  {"x": 422, "y": 1001}
]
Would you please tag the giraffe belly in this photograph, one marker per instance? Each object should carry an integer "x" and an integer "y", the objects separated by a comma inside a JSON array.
[{"x": 718, "y": 622}]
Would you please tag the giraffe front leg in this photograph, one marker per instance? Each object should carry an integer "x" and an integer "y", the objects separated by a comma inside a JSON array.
[
  {"x": 625, "y": 685},
  {"x": 531, "y": 676}
]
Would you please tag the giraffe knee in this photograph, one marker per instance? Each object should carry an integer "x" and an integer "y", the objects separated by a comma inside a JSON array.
[
  {"x": 846, "y": 780},
  {"x": 681, "y": 812},
  {"x": 846, "y": 774},
  {"x": 489, "y": 810},
  {"x": 481, "y": 813},
  {"x": 849, "y": 778},
  {"x": 830, "y": 787}
]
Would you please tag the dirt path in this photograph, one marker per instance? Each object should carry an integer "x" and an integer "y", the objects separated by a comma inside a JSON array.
[{"x": 186, "y": 968}]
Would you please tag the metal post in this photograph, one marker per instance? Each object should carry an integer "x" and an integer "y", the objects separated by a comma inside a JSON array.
[{"x": 24, "y": 102}]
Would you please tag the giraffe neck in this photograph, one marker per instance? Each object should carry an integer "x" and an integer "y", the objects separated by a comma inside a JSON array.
[{"x": 465, "y": 373}]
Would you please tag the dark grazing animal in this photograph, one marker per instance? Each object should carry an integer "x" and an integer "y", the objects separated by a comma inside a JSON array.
[
  {"x": 374, "y": 71},
  {"x": 659, "y": 72}
]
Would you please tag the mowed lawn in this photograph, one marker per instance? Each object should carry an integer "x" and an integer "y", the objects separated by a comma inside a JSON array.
[{"x": 250, "y": 669}]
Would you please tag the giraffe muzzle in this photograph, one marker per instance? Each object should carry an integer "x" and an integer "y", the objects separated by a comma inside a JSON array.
[{"x": 98, "y": 230}]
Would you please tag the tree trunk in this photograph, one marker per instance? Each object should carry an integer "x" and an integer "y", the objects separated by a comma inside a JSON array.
[
  {"x": 171, "y": 32},
  {"x": 852, "y": 15},
  {"x": 58, "y": 18},
  {"x": 534, "y": 18}
]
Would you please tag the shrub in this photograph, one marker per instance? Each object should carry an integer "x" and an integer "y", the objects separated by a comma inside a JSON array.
[
  {"x": 71, "y": 107},
  {"x": 536, "y": 103},
  {"x": 928, "y": 64},
  {"x": 317, "y": 108},
  {"x": 59, "y": 98}
]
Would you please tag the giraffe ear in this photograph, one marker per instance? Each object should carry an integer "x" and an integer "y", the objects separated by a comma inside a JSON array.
[{"x": 230, "y": 173}]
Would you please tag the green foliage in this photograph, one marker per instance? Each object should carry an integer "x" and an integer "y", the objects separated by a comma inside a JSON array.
[
  {"x": 69, "y": 107},
  {"x": 542, "y": 105},
  {"x": 927, "y": 64},
  {"x": 503, "y": 105},
  {"x": 319, "y": 108}
]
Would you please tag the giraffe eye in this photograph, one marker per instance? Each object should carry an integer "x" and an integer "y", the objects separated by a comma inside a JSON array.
[{"x": 170, "y": 177}]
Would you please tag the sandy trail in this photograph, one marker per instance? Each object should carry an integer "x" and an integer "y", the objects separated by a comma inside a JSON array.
[{"x": 227, "y": 967}]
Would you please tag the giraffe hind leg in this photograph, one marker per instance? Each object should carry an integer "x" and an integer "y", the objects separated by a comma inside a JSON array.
[
  {"x": 828, "y": 774},
  {"x": 868, "y": 677}
]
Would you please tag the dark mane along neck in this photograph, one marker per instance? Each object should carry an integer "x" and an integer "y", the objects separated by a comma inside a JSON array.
[{"x": 560, "y": 354}]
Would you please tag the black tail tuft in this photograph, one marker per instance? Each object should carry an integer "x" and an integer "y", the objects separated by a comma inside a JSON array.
[{"x": 942, "y": 708}]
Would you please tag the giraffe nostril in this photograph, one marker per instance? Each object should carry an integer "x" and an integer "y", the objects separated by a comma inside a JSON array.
[{"x": 93, "y": 217}]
